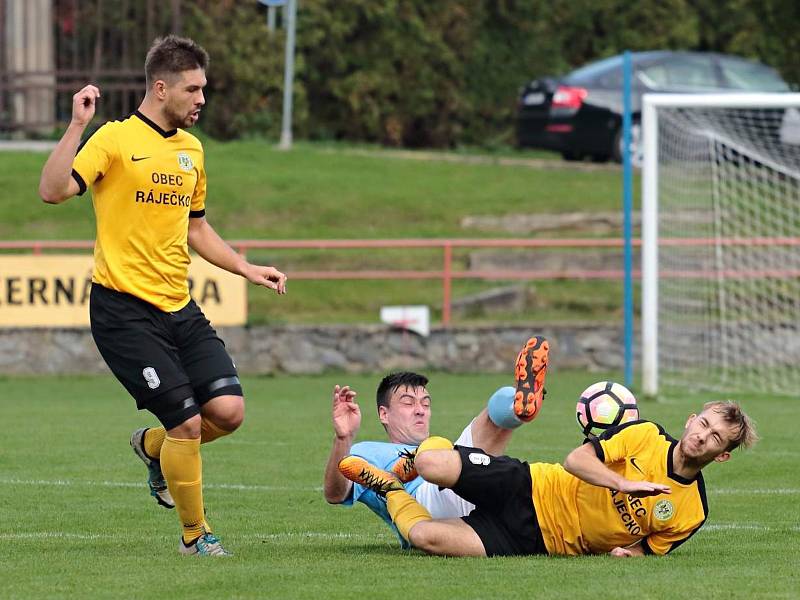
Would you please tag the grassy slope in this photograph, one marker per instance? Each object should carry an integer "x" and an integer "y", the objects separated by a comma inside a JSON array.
[
  {"x": 257, "y": 192},
  {"x": 76, "y": 520}
]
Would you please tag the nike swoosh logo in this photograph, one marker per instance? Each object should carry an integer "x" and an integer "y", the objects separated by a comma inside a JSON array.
[
  {"x": 138, "y": 158},
  {"x": 635, "y": 466}
]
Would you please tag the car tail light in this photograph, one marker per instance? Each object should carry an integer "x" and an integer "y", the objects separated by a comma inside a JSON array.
[
  {"x": 559, "y": 128},
  {"x": 569, "y": 97}
]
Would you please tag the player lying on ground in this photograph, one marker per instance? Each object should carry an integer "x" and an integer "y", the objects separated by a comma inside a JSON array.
[
  {"x": 404, "y": 409},
  {"x": 633, "y": 491}
]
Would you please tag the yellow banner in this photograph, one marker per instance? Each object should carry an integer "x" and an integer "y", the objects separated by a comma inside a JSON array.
[{"x": 53, "y": 291}]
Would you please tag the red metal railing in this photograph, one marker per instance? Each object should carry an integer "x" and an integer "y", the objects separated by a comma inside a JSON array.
[{"x": 447, "y": 274}]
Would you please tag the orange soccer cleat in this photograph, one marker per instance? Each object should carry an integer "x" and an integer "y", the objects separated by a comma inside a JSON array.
[
  {"x": 404, "y": 468},
  {"x": 360, "y": 471},
  {"x": 530, "y": 372}
]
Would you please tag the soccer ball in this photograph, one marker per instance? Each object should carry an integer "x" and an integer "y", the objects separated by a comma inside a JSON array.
[{"x": 605, "y": 404}]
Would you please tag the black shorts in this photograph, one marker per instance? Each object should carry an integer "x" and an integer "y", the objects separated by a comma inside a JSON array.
[
  {"x": 504, "y": 516},
  {"x": 171, "y": 363}
]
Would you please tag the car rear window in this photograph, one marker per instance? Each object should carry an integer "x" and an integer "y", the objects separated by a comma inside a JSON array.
[
  {"x": 588, "y": 73},
  {"x": 745, "y": 75},
  {"x": 681, "y": 72}
]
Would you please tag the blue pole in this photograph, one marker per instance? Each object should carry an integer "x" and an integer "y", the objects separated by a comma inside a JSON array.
[{"x": 627, "y": 208}]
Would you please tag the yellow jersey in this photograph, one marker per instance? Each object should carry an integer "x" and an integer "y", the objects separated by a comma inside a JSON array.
[
  {"x": 580, "y": 518},
  {"x": 146, "y": 184}
]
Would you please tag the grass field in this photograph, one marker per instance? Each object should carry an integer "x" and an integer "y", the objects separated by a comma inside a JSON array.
[
  {"x": 76, "y": 519},
  {"x": 319, "y": 191},
  {"x": 316, "y": 191}
]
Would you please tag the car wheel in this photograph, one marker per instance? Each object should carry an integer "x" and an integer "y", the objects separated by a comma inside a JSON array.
[
  {"x": 636, "y": 145},
  {"x": 570, "y": 155}
]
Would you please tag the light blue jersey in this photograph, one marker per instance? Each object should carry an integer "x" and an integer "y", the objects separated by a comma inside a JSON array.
[
  {"x": 383, "y": 455},
  {"x": 441, "y": 503}
]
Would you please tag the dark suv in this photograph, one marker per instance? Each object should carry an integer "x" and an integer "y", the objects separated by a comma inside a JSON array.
[{"x": 580, "y": 114}]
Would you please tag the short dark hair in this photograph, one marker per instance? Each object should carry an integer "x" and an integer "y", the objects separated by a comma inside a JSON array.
[
  {"x": 391, "y": 382},
  {"x": 172, "y": 55}
]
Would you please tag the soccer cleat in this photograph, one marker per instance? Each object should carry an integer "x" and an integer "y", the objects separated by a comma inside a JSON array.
[
  {"x": 155, "y": 478},
  {"x": 360, "y": 471},
  {"x": 530, "y": 371},
  {"x": 206, "y": 545},
  {"x": 404, "y": 468}
]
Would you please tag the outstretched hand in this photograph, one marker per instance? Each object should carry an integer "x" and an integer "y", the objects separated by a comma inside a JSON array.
[
  {"x": 269, "y": 277},
  {"x": 621, "y": 552},
  {"x": 346, "y": 412},
  {"x": 641, "y": 489},
  {"x": 83, "y": 105}
]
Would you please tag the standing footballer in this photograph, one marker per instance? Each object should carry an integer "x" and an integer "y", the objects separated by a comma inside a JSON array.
[{"x": 148, "y": 190}]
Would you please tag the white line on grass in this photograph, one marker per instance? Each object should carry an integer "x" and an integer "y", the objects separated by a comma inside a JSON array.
[
  {"x": 314, "y": 489},
  {"x": 129, "y": 484},
  {"x": 305, "y": 535},
  {"x": 235, "y": 442},
  {"x": 756, "y": 491},
  {"x": 261, "y": 488},
  {"x": 762, "y": 453},
  {"x": 42, "y": 535},
  {"x": 312, "y": 534},
  {"x": 746, "y": 527}
]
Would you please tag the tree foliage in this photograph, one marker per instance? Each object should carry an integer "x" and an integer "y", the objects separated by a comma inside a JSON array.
[
  {"x": 444, "y": 73},
  {"x": 245, "y": 77}
]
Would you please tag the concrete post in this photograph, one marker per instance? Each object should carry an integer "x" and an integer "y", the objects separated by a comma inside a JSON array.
[{"x": 30, "y": 64}]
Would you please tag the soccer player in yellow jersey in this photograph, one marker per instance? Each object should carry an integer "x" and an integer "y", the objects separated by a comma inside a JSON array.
[
  {"x": 634, "y": 491},
  {"x": 148, "y": 183}
]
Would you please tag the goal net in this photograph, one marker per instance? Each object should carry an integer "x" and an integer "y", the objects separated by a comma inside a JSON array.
[{"x": 721, "y": 242}]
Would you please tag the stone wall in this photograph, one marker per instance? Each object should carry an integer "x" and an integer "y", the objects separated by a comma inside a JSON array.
[{"x": 353, "y": 349}]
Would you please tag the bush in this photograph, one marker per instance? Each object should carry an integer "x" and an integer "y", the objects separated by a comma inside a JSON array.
[
  {"x": 446, "y": 73},
  {"x": 245, "y": 78}
]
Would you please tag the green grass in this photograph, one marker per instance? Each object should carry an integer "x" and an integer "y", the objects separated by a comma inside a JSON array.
[
  {"x": 256, "y": 191},
  {"x": 76, "y": 519},
  {"x": 549, "y": 302},
  {"x": 331, "y": 191}
]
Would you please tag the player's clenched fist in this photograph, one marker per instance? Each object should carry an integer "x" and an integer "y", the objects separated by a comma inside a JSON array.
[{"x": 83, "y": 104}]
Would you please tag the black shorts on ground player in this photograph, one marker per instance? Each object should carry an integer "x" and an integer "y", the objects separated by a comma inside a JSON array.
[
  {"x": 504, "y": 516},
  {"x": 171, "y": 363}
]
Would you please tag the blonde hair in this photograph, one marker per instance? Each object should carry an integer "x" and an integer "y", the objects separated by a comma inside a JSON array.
[{"x": 732, "y": 413}]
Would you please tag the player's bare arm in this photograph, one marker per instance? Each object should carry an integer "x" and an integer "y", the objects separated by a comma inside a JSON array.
[
  {"x": 583, "y": 463},
  {"x": 346, "y": 416},
  {"x": 208, "y": 244},
  {"x": 56, "y": 183},
  {"x": 488, "y": 436}
]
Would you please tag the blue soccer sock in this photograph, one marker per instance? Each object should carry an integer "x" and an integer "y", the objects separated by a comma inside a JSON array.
[{"x": 501, "y": 408}]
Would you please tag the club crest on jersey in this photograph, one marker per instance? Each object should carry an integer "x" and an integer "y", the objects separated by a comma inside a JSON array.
[
  {"x": 663, "y": 510},
  {"x": 185, "y": 161}
]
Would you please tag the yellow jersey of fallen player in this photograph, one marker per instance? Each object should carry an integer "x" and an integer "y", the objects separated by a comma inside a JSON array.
[
  {"x": 146, "y": 183},
  {"x": 579, "y": 518}
]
